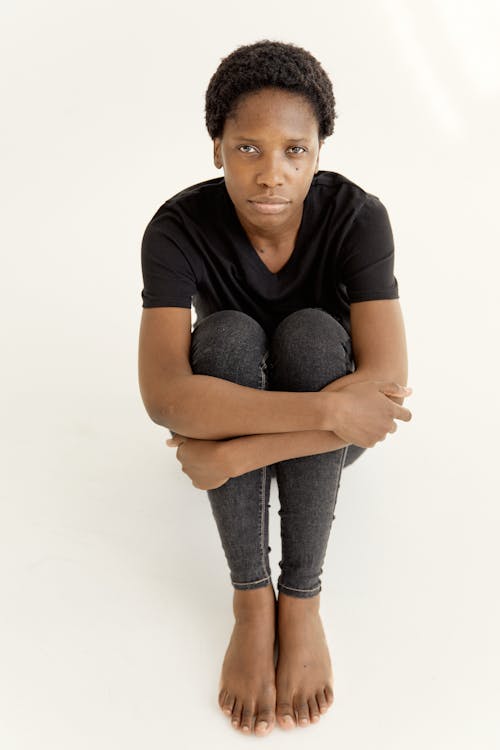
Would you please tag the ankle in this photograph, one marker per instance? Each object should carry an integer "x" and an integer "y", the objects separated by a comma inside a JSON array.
[
  {"x": 298, "y": 606},
  {"x": 249, "y": 602}
]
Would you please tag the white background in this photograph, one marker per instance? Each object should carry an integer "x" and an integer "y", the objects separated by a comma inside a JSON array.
[{"x": 115, "y": 600}]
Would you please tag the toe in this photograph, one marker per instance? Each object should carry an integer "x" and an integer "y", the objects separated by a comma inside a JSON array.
[
  {"x": 321, "y": 700},
  {"x": 302, "y": 710},
  {"x": 228, "y": 703},
  {"x": 247, "y": 716},
  {"x": 236, "y": 715},
  {"x": 221, "y": 697},
  {"x": 285, "y": 715},
  {"x": 313, "y": 709},
  {"x": 329, "y": 694},
  {"x": 264, "y": 721}
]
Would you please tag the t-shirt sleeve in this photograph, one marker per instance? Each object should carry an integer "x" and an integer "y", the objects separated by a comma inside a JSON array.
[
  {"x": 168, "y": 278},
  {"x": 367, "y": 255}
]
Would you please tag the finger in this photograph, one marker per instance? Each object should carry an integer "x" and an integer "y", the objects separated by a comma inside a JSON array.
[
  {"x": 395, "y": 388},
  {"x": 404, "y": 414},
  {"x": 172, "y": 442}
]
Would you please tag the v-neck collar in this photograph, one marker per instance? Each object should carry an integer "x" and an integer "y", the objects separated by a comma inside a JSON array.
[{"x": 252, "y": 254}]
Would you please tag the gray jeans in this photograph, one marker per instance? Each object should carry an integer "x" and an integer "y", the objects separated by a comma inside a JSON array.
[{"x": 307, "y": 350}]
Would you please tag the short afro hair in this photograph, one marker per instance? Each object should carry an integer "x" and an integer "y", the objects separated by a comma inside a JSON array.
[{"x": 265, "y": 64}]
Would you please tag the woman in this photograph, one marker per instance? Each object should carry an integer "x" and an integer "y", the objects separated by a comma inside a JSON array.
[{"x": 295, "y": 366}]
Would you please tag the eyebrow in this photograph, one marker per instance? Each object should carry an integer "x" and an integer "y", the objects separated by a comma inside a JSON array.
[{"x": 247, "y": 138}]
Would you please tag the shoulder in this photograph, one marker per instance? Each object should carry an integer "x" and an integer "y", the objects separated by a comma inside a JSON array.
[
  {"x": 344, "y": 205},
  {"x": 191, "y": 204},
  {"x": 348, "y": 196}
]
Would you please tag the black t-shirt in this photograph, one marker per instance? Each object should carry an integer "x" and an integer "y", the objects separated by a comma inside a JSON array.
[{"x": 194, "y": 249}]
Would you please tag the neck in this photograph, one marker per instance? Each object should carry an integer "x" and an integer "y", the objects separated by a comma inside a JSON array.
[{"x": 272, "y": 239}]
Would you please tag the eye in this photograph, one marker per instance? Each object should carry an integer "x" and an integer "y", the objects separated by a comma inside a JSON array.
[{"x": 246, "y": 145}]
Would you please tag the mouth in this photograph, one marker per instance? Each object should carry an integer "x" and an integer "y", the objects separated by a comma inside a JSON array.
[{"x": 270, "y": 206}]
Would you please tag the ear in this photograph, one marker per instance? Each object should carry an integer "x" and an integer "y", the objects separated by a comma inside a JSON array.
[
  {"x": 217, "y": 156},
  {"x": 317, "y": 160}
]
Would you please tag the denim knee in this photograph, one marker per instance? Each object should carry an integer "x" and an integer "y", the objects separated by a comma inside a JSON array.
[
  {"x": 310, "y": 349},
  {"x": 231, "y": 345}
]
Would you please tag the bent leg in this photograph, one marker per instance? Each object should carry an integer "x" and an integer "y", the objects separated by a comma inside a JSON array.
[
  {"x": 231, "y": 345},
  {"x": 310, "y": 349}
]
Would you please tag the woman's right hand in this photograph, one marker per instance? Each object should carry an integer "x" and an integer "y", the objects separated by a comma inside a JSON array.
[{"x": 363, "y": 413}]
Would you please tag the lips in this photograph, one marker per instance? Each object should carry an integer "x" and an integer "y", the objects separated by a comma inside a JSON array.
[
  {"x": 267, "y": 199},
  {"x": 269, "y": 207}
]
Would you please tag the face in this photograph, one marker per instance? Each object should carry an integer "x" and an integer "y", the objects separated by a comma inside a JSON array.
[{"x": 270, "y": 149}]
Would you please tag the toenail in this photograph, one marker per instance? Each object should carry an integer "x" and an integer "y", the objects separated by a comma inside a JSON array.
[
  {"x": 288, "y": 719},
  {"x": 262, "y": 725}
]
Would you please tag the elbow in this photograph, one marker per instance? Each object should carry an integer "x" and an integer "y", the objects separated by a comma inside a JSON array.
[
  {"x": 156, "y": 401},
  {"x": 159, "y": 414},
  {"x": 164, "y": 402}
]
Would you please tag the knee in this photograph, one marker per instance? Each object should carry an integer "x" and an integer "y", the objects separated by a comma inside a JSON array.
[
  {"x": 310, "y": 349},
  {"x": 229, "y": 344},
  {"x": 315, "y": 320}
]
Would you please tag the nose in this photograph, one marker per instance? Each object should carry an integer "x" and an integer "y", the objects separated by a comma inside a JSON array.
[{"x": 271, "y": 171}]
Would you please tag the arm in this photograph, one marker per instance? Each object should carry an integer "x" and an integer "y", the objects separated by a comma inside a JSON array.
[
  {"x": 209, "y": 408},
  {"x": 379, "y": 348},
  {"x": 251, "y": 452},
  {"x": 229, "y": 410},
  {"x": 206, "y": 407},
  {"x": 254, "y": 451}
]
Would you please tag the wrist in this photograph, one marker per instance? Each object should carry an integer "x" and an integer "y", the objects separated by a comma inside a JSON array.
[
  {"x": 329, "y": 409},
  {"x": 226, "y": 457}
]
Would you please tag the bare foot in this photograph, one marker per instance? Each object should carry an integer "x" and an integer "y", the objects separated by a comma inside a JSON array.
[
  {"x": 304, "y": 676},
  {"x": 247, "y": 689}
]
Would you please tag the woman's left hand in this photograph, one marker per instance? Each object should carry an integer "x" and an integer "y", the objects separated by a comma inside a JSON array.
[{"x": 201, "y": 461}]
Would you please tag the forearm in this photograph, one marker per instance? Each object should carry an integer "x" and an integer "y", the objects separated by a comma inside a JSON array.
[
  {"x": 210, "y": 408},
  {"x": 244, "y": 454}
]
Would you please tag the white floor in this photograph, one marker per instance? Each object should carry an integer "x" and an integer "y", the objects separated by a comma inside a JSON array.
[{"x": 116, "y": 603}]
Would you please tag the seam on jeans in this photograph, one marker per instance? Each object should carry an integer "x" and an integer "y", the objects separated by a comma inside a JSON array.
[
  {"x": 316, "y": 588},
  {"x": 336, "y": 487},
  {"x": 262, "y": 515},
  {"x": 247, "y": 583},
  {"x": 263, "y": 384}
]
